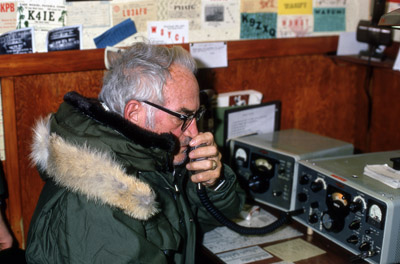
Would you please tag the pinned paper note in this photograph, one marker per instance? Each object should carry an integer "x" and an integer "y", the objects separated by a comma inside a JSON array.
[
  {"x": 329, "y": 19},
  {"x": 210, "y": 55},
  {"x": 138, "y": 11},
  {"x": 290, "y": 26},
  {"x": 168, "y": 32},
  {"x": 251, "y": 6},
  {"x": 8, "y": 17},
  {"x": 258, "y": 25},
  {"x": 19, "y": 41},
  {"x": 348, "y": 44},
  {"x": 65, "y": 38},
  {"x": 295, "y": 7},
  {"x": 41, "y": 16}
]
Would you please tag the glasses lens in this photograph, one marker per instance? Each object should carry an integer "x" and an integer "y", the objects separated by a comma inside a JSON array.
[
  {"x": 198, "y": 115},
  {"x": 186, "y": 123}
]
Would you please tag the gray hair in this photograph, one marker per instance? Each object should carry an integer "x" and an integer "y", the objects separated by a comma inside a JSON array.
[{"x": 139, "y": 73}]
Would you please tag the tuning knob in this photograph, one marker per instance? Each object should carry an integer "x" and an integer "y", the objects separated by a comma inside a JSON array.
[
  {"x": 304, "y": 179},
  {"x": 355, "y": 206},
  {"x": 316, "y": 186},
  {"x": 258, "y": 184},
  {"x": 302, "y": 197},
  {"x": 313, "y": 218},
  {"x": 355, "y": 225},
  {"x": 365, "y": 246},
  {"x": 332, "y": 222},
  {"x": 353, "y": 239}
]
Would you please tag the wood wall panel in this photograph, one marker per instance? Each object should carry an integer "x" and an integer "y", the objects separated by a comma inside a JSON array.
[
  {"x": 38, "y": 95},
  {"x": 51, "y": 62},
  {"x": 385, "y": 124},
  {"x": 317, "y": 94},
  {"x": 11, "y": 168},
  {"x": 81, "y": 60}
]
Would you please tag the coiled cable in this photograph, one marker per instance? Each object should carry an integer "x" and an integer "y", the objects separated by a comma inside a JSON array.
[{"x": 284, "y": 218}]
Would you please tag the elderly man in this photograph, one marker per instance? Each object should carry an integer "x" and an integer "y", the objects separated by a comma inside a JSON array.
[{"x": 118, "y": 184}]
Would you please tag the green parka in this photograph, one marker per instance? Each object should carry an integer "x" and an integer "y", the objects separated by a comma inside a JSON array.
[{"x": 111, "y": 194}]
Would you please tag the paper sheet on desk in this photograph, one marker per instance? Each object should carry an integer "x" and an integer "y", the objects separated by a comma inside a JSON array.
[
  {"x": 295, "y": 250},
  {"x": 384, "y": 174},
  {"x": 223, "y": 239}
]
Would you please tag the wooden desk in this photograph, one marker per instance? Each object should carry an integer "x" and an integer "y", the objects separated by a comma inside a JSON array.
[{"x": 334, "y": 253}]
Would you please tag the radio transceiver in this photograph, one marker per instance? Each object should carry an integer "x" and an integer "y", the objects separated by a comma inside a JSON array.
[
  {"x": 350, "y": 208},
  {"x": 267, "y": 164}
]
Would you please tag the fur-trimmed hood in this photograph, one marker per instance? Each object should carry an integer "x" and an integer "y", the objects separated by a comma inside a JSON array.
[
  {"x": 94, "y": 173},
  {"x": 91, "y": 173}
]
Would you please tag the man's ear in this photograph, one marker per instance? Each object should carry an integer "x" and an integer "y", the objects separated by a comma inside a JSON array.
[{"x": 133, "y": 110}]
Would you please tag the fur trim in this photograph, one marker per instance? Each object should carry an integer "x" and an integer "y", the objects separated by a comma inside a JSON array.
[
  {"x": 40, "y": 152},
  {"x": 91, "y": 173}
]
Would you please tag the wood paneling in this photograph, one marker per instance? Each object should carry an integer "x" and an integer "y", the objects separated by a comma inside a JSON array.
[
  {"x": 82, "y": 60},
  {"x": 317, "y": 94},
  {"x": 385, "y": 119},
  {"x": 51, "y": 62},
  {"x": 11, "y": 167}
]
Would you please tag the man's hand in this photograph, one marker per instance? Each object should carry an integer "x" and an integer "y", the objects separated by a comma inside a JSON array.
[
  {"x": 207, "y": 164},
  {"x": 6, "y": 239}
]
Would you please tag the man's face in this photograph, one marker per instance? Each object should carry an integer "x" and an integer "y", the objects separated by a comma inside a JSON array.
[{"x": 181, "y": 94}]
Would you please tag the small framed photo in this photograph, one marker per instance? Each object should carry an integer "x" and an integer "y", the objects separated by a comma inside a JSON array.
[
  {"x": 18, "y": 41},
  {"x": 65, "y": 38}
]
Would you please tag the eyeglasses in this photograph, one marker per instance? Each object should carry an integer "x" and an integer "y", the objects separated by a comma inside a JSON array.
[{"x": 187, "y": 119}]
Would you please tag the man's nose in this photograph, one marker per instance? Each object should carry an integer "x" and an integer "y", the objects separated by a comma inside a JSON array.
[{"x": 192, "y": 130}]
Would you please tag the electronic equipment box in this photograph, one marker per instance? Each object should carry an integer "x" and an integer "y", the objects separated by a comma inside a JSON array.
[
  {"x": 266, "y": 164},
  {"x": 350, "y": 208}
]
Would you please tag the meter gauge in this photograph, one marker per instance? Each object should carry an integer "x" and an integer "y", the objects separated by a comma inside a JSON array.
[
  {"x": 241, "y": 157},
  {"x": 376, "y": 214}
]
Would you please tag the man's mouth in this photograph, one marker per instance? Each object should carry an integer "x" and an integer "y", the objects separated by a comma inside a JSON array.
[{"x": 185, "y": 148}]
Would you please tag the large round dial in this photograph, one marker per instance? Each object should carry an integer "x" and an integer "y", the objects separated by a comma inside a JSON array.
[
  {"x": 263, "y": 165},
  {"x": 327, "y": 221},
  {"x": 331, "y": 222},
  {"x": 375, "y": 213},
  {"x": 339, "y": 200}
]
